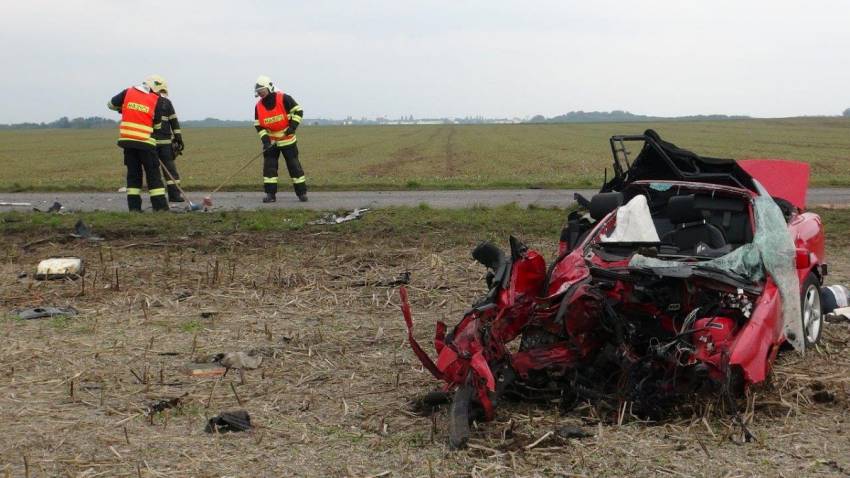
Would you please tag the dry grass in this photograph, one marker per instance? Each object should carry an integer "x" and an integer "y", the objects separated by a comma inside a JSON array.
[{"x": 330, "y": 398}]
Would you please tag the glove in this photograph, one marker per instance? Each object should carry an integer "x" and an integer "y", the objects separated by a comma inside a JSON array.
[
  {"x": 288, "y": 131},
  {"x": 177, "y": 145},
  {"x": 267, "y": 142}
]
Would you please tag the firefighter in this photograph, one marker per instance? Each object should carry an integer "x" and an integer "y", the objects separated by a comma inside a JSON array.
[
  {"x": 141, "y": 110},
  {"x": 276, "y": 117},
  {"x": 169, "y": 141}
]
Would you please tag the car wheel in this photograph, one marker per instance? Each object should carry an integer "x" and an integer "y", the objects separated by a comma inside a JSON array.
[{"x": 811, "y": 311}]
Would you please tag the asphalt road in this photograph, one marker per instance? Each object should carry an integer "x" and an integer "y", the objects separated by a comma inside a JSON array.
[{"x": 335, "y": 200}]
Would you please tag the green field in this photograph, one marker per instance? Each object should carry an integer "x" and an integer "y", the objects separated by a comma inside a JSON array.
[{"x": 424, "y": 157}]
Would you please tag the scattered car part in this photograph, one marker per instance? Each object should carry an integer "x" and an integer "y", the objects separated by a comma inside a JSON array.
[
  {"x": 239, "y": 360},
  {"x": 60, "y": 268},
  {"x": 40, "y": 312},
  {"x": 55, "y": 207},
  {"x": 16, "y": 204},
  {"x": 334, "y": 219},
  {"x": 164, "y": 404},
  {"x": 82, "y": 231},
  {"x": 235, "y": 421},
  {"x": 834, "y": 297}
]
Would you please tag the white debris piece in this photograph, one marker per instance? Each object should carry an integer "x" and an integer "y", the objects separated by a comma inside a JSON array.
[
  {"x": 59, "y": 268},
  {"x": 334, "y": 219}
]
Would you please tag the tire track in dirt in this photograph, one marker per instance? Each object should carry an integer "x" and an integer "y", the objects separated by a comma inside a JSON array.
[{"x": 403, "y": 157}]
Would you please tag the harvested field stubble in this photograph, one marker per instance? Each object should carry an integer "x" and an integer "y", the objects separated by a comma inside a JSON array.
[{"x": 330, "y": 398}]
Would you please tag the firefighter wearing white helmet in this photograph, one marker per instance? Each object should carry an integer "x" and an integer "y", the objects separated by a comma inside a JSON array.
[
  {"x": 276, "y": 117},
  {"x": 169, "y": 139},
  {"x": 141, "y": 111}
]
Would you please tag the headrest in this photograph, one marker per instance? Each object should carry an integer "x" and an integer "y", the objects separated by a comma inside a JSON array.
[
  {"x": 603, "y": 203},
  {"x": 682, "y": 209}
]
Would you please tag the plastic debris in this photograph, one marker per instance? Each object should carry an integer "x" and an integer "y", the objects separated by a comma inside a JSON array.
[
  {"x": 235, "y": 421},
  {"x": 162, "y": 405},
  {"x": 40, "y": 312},
  {"x": 841, "y": 314},
  {"x": 334, "y": 219},
  {"x": 60, "y": 268},
  {"x": 834, "y": 297},
  {"x": 82, "y": 231},
  {"x": 55, "y": 207},
  {"x": 239, "y": 360},
  {"x": 571, "y": 432}
]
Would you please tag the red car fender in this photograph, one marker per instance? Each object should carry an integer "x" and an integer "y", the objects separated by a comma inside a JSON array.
[
  {"x": 753, "y": 345},
  {"x": 807, "y": 231}
]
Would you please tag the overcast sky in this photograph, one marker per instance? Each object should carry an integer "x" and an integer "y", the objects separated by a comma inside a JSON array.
[{"x": 430, "y": 59}]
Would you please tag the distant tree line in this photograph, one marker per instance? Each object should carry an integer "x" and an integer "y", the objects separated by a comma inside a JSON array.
[
  {"x": 65, "y": 123},
  {"x": 616, "y": 116},
  {"x": 619, "y": 116}
]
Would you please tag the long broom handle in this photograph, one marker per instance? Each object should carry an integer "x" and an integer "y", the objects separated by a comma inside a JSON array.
[
  {"x": 238, "y": 171},
  {"x": 168, "y": 173}
]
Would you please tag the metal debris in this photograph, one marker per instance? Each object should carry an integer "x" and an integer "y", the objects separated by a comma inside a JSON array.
[
  {"x": 54, "y": 208},
  {"x": 41, "y": 312},
  {"x": 82, "y": 231},
  {"x": 235, "y": 421},
  {"x": 334, "y": 219},
  {"x": 162, "y": 405}
]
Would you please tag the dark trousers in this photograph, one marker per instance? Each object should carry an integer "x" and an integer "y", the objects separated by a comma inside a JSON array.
[
  {"x": 169, "y": 170},
  {"x": 142, "y": 163},
  {"x": 293, "y": 166}
]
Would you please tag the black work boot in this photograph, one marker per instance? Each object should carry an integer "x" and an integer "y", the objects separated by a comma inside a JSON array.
[
  {"x": 301, "y": 191},
  {"x": 134, "y": 202},
  {"x": 270, "y": 197},
  {"x": 174, "y": 194},
  {"x": 159, "y": 203}
]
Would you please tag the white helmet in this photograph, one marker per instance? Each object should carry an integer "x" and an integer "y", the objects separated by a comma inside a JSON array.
[
  {"x": 263, "y": 81},
  {"x": 157, "y": 84}
]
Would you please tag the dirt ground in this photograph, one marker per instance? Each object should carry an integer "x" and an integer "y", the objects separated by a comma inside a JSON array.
[{"x": 330, "y": 398}]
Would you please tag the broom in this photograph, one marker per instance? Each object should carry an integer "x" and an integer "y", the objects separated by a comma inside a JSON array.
[{"x": 208, "y": 199}]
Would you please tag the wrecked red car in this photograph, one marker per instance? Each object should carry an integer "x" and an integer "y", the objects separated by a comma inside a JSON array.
[{"x": 684, "y": 274}]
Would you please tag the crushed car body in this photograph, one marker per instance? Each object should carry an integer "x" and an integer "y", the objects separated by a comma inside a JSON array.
[{"x": 682, "y": 275}]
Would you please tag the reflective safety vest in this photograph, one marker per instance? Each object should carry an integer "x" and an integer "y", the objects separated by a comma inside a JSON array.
[
  {"x": 275, "y": 121},
  {"x": 137, "y": 115}
]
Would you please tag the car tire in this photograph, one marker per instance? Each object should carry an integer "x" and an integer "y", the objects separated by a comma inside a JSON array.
[{"x": 811, "y": 312}]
